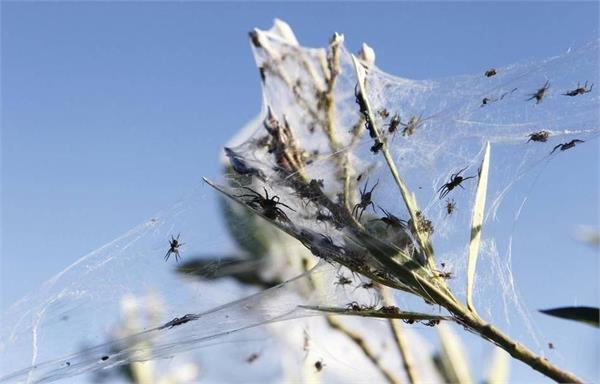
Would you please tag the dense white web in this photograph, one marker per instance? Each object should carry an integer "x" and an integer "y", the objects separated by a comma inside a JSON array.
[{"x": 123, "y": 303}]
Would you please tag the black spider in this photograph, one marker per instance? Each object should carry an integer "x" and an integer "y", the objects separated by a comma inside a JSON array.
[
  {"x": 579, "y": 90},
  {"x": 269, "y": 205},
  {"x": 391, "y": 220},
  {"x": 490, "y": 72},
  {"x": 394, "y": 123},
  {"x": 365, "y": 201},
  {"x": 377, "y": 146},
  {"x": 541, "y": 136},
  {"x": 455, "y": 181},
  {"x": 174, "y": 245},
  {"x": 565, "y": 146},
  {"x": 540, "y": 93}
]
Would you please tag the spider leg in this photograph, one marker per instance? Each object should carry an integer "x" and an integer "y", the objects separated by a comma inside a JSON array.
[
  {"x": 253, "y": 191},
  {"x": 555, "y": 148},
  {"x": 167, "y": 255},
  {"x": 179, "y": 234},
  {"x": 266, "y": 193},
  {"x": 377, "y": 183},
  {"x": 373, "y": 206},
  {"x": 287, "y": 206}
]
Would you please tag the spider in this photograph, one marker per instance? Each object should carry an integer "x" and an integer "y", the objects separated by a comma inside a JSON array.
[
  {"x": 343, "y": 280},
  {"x": 377, "y": 146},
  {"x": 383, "y": 113},
  {"x": 365, "y": 200},
  {"x": 541, "y": 136},
  {"x": 390, "y": 309},
  {"x": 565, "y": 146},
  {"x": 486, "y": 101},
  {"x": 445, "y": 275},
  {"x": 391, "y": 220},
  {"x": 174, "y": 245},
  {"x": 455, "y": 181},
  {"x": 252, "y": 358},
  {"x": 540, "y": 93},
  {"x": 450, "y": 206},
  {"x": 269, "y": 205},
  {"x": 409, "y": 128},
  {"x": 180, "y": 320},
  {"x": 394, "y": 123},
  {"x": 490, "y": 72},
  {"x": 580, "y": 90},
  {"x": 319, "y": 365}
]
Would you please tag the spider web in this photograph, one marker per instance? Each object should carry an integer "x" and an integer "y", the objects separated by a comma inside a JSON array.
[{"x": 122, "y": 304}]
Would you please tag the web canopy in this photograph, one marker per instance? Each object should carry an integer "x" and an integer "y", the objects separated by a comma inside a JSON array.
[{"x": 305, "y": 166}]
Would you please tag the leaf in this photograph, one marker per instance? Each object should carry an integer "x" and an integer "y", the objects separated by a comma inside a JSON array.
[
  {"x": 587, "y": 315},
  {"x": 499, "y": 368},
  {"x": 476, "y": 223},
  {"x": 452, "y": 361}
]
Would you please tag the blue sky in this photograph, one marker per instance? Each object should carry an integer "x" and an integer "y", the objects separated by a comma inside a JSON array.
[{"x": 113, "y": 111}]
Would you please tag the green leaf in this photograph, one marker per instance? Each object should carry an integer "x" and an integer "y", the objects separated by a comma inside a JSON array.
[
  {"x": 587, "y": 315},
  {"x": 476, "y": 223}
]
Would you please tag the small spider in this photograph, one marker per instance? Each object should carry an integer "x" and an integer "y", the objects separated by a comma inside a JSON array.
[
  {"x": 486, "y": 101},
  {"x": 365, "y": 201},
  {"x": 252, "y": 358},
  {"x": 353, "y": 306},
  {"x": 390, "y": 309},
  {"x": 565, "y": 146},
  {"x": 394, "y": 123},
  {"x": 174, "y": 245},
  {"x": 368, "y": 285},
  {"x": 445, "y": 275},
  {"x": 540, "y": 93},
  {"x": 410, "y": 127},
  {"x": 455, "y": 181},
  {"x": 391, "y": 220},
  {"x": 450, "y": 206},
  {"x": 383, "y": 113},
  {"x": 377, "y": 146},
  {"x": 269, "y": 205},
  {"x": 579, "y": 90},
  {"x": 319, "y": 365},
  {"x": 180, "y": 320},
  {"x": 551, "y": 345},
  {"x": 424, "y": 225},
  {"x": 432, "y": 323},
  {"x": 343, "y": 280},
  {"x": 490, "y": 72},
  {"x": 541, "y": 136}
]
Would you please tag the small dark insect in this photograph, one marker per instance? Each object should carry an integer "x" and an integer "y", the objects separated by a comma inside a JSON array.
[
  {"x": 343, "y": 280},
  {"x": 450, "y": 206},
  {"x": 377, "y": 146},
  {"x": 394, "y": 123},
  {"x": 391, "y": 220},
  {"x": 490, "y": 72},
  {"x": 180, "y": 320},
  {"x": 68, "y": 364},
  {"x": 252, "y": 358},
  {"x": 353, "y": 306},
  {"x": 565, "y": 146},
  {"x": 365, "y": 201},
  {"x": 369, "y": 285},
  {"x": 455, "y": 181},
  {"x": 269, "y": 205},
  {"x": 104, "y": 358},
  {"x": 390, "y": 309},
  {"x": 540, "y": 93},
  {"x": 319, "y": 365},
  {"x": 383, "y": 113},
  {"x": 580, "y": 90},
  {"x": 359, "y": 177},
  {"x": 263, "y": 75},
  {"x": 486, "y": 101},
  {"x": 551, "y": 345},
  {"x": 541, "y": 136},
  {"x": 445, "y": 275},
  {"x": 432, "y": 323},
  {"x": 443, "y": 264},
  {"x": 174, "y": 245},
  {"x": 408, "y": 321}
]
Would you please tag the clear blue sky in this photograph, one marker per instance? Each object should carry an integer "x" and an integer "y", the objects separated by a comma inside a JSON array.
[{"x": 113, "y": 111}]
